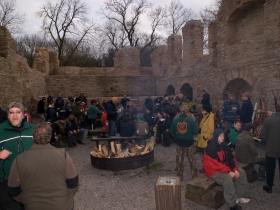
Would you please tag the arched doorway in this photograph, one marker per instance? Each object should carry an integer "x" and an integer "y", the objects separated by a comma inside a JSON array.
[
  {"x": 237, "y": 87},
  {"x": 170, "y": 90},
  {"x": 187, "y": 91}
]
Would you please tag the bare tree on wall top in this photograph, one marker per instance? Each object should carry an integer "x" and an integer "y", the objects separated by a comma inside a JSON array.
[
  {"x": 66, "y": 19},
  {"x": 10, "y": 17},
  {"x": 177, "y": 16}
]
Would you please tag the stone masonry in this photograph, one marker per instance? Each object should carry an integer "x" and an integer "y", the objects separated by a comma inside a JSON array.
[{"x": 244, "y": 55}]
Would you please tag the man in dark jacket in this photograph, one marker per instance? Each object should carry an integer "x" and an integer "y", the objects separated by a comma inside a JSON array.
[
  {"x": 73, "y": 128},
  {"x": 270, "y": 135},
  {"x": 126, "y": 126},
  {"x": 124, "y": 101},
  {"x": 112, "y": 115},
  {"x": 165, "y": 104},
  {"x": 182, "y": 130},
  {"x": 205, "y": 98},
  {"x": 43, "y": 172},
  {"x": 15, "y": 138},
  {"x": 246, "y": 111},
  {"x": 228, "y": 115},
  {"x": 41, "y": 109},
  {"x": 157, "y": 103},
  {"x": 149, "y": 103}
]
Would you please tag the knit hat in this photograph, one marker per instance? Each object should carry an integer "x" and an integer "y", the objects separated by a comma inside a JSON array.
[
  {"x": 77, "y": 99},
  {"x": 207, "y": 108},
  {"x": 61, "y": 118},
  {"x": 115, "y": 99},
  {"x": 141, "y": 118},
  {"x": 16, "y": 105},
  {"x": 93, "y": 101}
]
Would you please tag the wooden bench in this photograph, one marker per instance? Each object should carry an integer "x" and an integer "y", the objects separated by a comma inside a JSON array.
[
  {"x": 204, "y": 190},
  {"x": 98, "y": 132}
]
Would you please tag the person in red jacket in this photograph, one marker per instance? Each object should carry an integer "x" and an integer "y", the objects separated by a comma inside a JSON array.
[
  {"x": 104, "y": 121},
  {"x": 220, "y": 164}
]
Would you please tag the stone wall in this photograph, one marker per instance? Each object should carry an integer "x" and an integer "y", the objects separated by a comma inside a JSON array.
[{"x": 244, "y": 54}]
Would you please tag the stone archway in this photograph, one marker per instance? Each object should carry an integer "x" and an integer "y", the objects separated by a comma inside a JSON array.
[
  {"x": 237, "y": 87},
  {"x": 170, "y": 90},
  {"x": 187, "y": 91}
]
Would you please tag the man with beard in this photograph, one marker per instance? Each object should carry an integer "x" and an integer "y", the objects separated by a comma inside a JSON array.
[
  {"x": 228, "y": 115},
  {"x": 15, "y": 138}
]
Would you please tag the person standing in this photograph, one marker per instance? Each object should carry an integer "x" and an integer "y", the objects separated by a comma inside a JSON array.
[
  {"x": 182, "y": 130},
  {"x": 205, "y": 101},
  {"x": 112, "y": 115},
  {"x": 47, "y": 183},
  {"x": 149, "y": 103},
  {"x": 15, "y": 138},
  {"x": 220, "y": 164},
  {"x": 247, "y": 109},
  {"x": 41, "y": 110},
  {"x": 206, "y": 127},
  {"x": 228, "y": 115},
  {"x": 83, "y": 98},
  {"x": 124, "y": 101},
  {"x": 92, "y": 115},
  {"x": 77, "y": 109},
  {"x": 270, "y": 135}
]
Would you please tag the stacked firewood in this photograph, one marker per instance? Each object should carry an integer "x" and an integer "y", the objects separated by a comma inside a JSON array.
[
  {"x": 116, "y": 151},
  {"x": 260, "y": 116}
]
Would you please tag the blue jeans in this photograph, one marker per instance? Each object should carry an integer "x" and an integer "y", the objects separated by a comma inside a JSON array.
[
  {"x": 80, "y": 133},
  {"x": 112, "y": 124}
]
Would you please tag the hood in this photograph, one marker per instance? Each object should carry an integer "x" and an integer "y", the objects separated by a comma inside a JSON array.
[{"x": 216, "y": 134}]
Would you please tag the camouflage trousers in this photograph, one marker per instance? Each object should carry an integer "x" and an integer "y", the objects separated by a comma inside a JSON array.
[{"x": 180, "y": 154}]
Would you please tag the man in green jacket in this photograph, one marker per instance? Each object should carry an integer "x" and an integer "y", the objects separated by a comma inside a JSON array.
[
  {"x": 182, "y": 130},
  {"x": 15, "y": 138}
]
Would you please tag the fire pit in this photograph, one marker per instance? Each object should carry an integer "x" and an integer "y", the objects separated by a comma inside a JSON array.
[
  {"x": 119, "y": 164},
  {"x": 118, "y": 157}
]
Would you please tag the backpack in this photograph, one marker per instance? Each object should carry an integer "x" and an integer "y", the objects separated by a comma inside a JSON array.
[{"x": 142, "y": 128}]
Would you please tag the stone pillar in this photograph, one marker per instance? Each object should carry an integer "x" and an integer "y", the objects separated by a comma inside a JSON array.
[
  {"x": 54, "y": 62},
  {"x": 212, "y": 44},
  {"x": 174, "y": 43},
  {"x": 7, "y": 43},
  {"x": 159, "y": 61},
  {"x": 192, "y": 42},
  {"x": 127, "y": 61},
  {"x": 42, "y": 60}
]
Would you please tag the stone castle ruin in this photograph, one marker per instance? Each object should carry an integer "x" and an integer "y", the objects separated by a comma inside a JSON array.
[{"x": 244, "y": 55}]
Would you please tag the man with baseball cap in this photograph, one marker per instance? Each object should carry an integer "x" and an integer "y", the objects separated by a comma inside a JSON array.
[{"x": 15, "y": 138}]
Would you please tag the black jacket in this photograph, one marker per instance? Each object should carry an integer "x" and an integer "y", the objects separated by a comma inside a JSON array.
[
  {"x": 41, "y": 107},
  {"x": 3, "y": 115},
  {"x": 149, "y": 104},
  {"x": 126, "y": 126},
  {"x": 149, "y": 118},
  {"x": 111, "y": 111},
  {"x": 205, "y": 99}
]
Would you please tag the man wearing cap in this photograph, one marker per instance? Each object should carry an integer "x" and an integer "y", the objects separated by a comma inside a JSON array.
[
  {"x": 77, "y": 109},
  {"x": 41, "y": 110},
  {"x": 112, "y": 115},
  {"x": 247, "y": 109},
  {"x": 62, "y": 133},
  {"x": 228, "y": 115},
  {"x": 124, "y": 101},
  {"x": 15, "y": 138},
  {"x": 83, "y": 98},
  {"x": 149, "y": 103}
]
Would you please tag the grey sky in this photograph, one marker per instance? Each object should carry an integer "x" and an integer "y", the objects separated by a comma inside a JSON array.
[{"x": 32, "y": 23}]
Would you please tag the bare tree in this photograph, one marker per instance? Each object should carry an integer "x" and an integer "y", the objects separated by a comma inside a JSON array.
[
  {"x": 177, "y": 16},
  {"x": 26, "y": 46},
  {"x": 125, "y": 14},
  {"x": 10, "y": 17},
  {"x": 66, "y": 19},
  {"x": 207, "y": 15}
]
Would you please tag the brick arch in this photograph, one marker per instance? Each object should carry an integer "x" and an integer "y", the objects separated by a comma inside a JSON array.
[
  {"x": 237, "y": 87},
  {"x": 187, "y": 90},
  {"x": 170, "y": 90}
]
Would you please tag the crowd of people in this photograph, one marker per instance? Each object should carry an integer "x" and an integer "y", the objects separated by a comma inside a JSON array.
[{"x": 169, "y": 119}]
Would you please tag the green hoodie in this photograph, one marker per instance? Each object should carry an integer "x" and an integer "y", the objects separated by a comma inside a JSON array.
[
  {"x": 14, "y": 141},
  {"x": 183, "y": 128}
]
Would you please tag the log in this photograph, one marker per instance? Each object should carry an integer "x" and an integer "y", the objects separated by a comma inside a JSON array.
[
  {"x": 119, "y": 148},
  {"x": 113, "y": 147},
  {"x": 105, "y": 151},
  {"x": 214, "y": 198},
  {"x": 200, "y": 185}
]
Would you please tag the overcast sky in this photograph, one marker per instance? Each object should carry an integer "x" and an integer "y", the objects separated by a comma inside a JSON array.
[{"x": 32, "y": 24}]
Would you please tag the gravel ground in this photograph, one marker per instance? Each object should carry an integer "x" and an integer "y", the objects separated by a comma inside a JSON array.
[{"x": 134, "y": 189}]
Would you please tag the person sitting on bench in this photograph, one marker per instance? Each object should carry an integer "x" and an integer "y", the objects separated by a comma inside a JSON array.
[
  {"x": 220, "y": 164},
  {"x": 126, "y": 126}
]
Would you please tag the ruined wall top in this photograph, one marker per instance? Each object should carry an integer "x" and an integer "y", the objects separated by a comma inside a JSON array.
[{"x": 7, "y": 43}]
